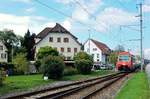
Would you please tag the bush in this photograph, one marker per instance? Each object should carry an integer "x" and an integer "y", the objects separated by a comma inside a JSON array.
[
  {"x": 83, "y": 55},
  {"x": 84, "y": 66},
  {"x": 21, "y": 64},
  {"x": 83, "y": 62},
  {"x": 46, "y": 51},
  {"x": 70, "y": 71},
  {"x": 2, "y": 76},
  {"x": 37, "y": 65},
  {"x": 53, "y": 67}
]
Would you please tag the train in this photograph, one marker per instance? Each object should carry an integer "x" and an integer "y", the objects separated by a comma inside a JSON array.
[{"x": 126, "y": 62}]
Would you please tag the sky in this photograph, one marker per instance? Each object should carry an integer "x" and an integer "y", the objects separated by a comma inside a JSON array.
[{"x": 113, "y": 22}]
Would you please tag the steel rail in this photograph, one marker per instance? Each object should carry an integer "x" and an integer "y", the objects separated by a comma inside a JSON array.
[
  {"x": 73, "y": 90},
  {"x": 58, "y": 87},
  {"x": 101, "y": 88}
]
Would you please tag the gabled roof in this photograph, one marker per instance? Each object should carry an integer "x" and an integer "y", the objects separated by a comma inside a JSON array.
[
  {"x": 56, "y": 29},
  {"x": 103, "y": 47},
  {"x": 44, "y": 32}
]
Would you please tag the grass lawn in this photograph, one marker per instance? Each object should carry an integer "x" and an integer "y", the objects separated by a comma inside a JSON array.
[
  {"x": 25, "y": 82},
  {"x": 136, "y": 88}
]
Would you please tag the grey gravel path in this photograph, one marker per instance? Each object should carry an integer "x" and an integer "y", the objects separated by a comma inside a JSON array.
[{"x": 147, "y": 69}]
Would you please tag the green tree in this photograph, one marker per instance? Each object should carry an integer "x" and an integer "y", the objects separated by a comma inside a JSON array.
[
  {"x": 46, "y": 51},
  {"x": 113, "y": 57},
  {"x": 28, "y": 44},
  {"x": 21, "y": 64},
  {"x": 83, "y": 55},
  {"x": 10, "y": 40},
  {"x": 53, "y": 67},
  {"x": 83, "y": 62}
]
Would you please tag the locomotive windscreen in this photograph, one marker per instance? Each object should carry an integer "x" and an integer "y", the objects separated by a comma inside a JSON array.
[{"x": 124, "y": 58}]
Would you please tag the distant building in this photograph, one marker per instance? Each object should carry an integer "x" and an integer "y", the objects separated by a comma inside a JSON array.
[
  {"x": 61, "y": 39},
  {"x": 98, "y": 50},
  {"x": 3, "y": 52}
]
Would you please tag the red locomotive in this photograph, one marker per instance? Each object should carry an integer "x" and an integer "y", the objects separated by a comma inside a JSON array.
[{"x": 125, "y": 62}]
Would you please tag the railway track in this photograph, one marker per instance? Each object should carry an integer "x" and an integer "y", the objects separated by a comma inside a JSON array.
[{"x": 77, "y": 90}]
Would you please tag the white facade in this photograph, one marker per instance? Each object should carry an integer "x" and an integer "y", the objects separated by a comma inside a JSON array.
[
  {"x": 91, "y": 48},
  {"x": 3, "y": 52},
  {"x": 62, "y": 47}
]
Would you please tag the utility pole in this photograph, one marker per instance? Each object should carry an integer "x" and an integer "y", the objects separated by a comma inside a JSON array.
[
  {"x": 141, "y": 32},
  {"x": 89, "y": 40}
]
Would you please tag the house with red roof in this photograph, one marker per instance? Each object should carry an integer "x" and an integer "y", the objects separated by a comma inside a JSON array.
[
  {"x": 98, "y": 50},
  {"x": 59, "y": 38}
]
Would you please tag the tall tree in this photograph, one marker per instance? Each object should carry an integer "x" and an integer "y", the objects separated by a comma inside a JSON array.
[
  {"x": 28, "y": 43},
  {"x": 10, "y": 40}
]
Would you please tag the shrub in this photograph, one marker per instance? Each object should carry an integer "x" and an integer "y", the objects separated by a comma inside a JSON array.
[
  {"x": 83, "y": 55},
  {"x": 37, "y": 65},
  {"x": 83, "y": 62},
  {"x": 70, "y": 71},
  {"x": 2, "y": 76},
  {"x": 21, "y": 64},
  {"x": 46, "y": 51},
  {"x": 53, "y": 67},
  {"x": 84, "y": 66}
]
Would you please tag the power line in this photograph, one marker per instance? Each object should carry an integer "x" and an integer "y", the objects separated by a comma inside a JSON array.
[
  {"x": 62, "y": 13},
  {"x": 102, "y": 23}
]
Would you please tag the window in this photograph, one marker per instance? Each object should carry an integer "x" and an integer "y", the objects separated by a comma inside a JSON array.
[
  {"x": 75, "y": 50},
  {"x": 93, "y": 55},
  {"x": 94, "y": 49},
  {"x": 66, "y": 40},
  {"x": 124, "y": 58},
  {"x": 1, "y": 47},
  {"x": 88, "y": 50},
  {"x": 50, "y": 39},
  {"x": 58, "y": 39},
  {"x": 62, "y": 49},
  {"x": 97, "y": 55},
  {"x": 69, "y": 49},
  {"x": 3, "y": 56}
]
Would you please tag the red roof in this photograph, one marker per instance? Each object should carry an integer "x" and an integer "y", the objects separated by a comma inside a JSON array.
[{"x": 103, "y": 47}]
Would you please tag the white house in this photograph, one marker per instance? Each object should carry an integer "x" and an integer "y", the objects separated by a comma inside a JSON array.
[
  {"x": 61, "y": 39},
  {"x": 98, "y": 50},
  {"x": 3, "y": 52}
]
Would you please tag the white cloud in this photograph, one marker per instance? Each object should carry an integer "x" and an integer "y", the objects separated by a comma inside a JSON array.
[
  {"x": 67, "y": 24},
  {"x": 147, "y": 53},
  {"x": 24, "y": 1},
  {"x": 20, "y": 24},
  {"x": 115, "y": 16},
  {"x": 146, "y": 8},
  {"x": 65, "y": 1},
  {"x": 30, "y": 10}
]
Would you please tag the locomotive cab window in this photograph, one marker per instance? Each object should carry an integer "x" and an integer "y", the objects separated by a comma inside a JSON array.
[{"x": 124, "y": 58}]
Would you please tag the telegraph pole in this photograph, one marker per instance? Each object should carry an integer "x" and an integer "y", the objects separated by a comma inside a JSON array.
[{"x": 141, "y": 34}]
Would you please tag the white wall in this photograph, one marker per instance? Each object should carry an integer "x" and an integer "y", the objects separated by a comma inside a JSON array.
[
  {"x": 71, "y": 44},
  {"x": 3, "y": 59},
  {"x": 91, "y": 45}
]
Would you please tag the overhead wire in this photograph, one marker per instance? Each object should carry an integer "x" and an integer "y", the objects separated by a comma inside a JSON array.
[{"x": 64, "y": 14}]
